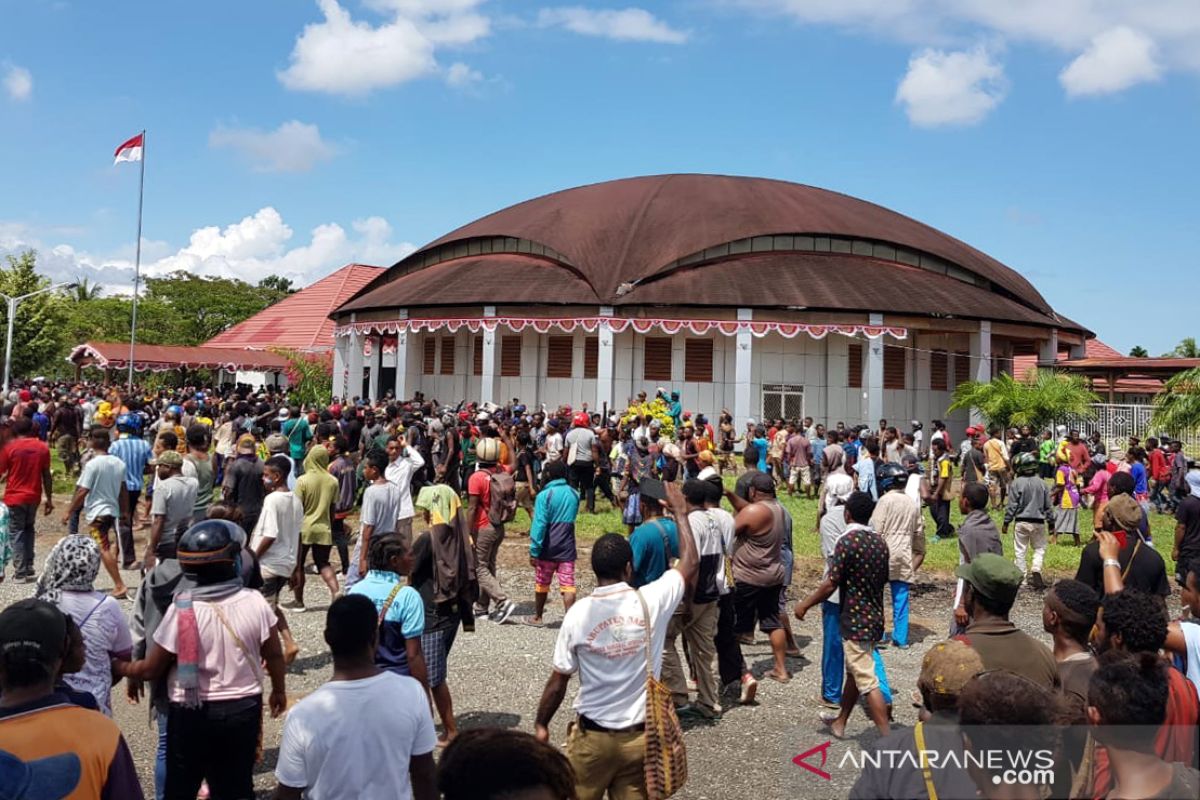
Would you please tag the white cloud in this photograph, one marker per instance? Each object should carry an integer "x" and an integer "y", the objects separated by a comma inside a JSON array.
[
  {"x": 951, "y": 88},
  {"x": 460, "y": 75},
  {"x": 256, "y": 246},
  {"x": 18, "y": 82},
  {"x": 626, "y": 24},
  {"x": 292, "y": 147},
  {"x": 1167, "y": 31},
  {"x": 343, "y": 56},
  {"x": 1115, "y": 60}
]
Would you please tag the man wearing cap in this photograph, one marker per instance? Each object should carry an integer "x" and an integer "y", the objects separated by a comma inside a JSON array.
[
  {"x": 243, "y": 486},
  {"x": 945, "y": 670},
  {"x": 991, "y": 588},
  {"x": 37, "y": 724},
  {"x": 277, "y": 447},
  {"x": 171, "y": 509},
  {"x": 1142, "y": 568}
]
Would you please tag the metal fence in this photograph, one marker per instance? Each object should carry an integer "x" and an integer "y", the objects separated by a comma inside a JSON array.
[{"x": 1117, "y": 422}]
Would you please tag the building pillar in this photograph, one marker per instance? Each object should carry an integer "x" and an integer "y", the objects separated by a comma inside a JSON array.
[
  {"x": 744, "y": 363},
  {"x": 604, "y": 362},
  {"x": 341, "y": 350},
  {"x": 487, "y": 382},
  {"x": 401, "y": 387},
  {"x": 373, "y": 389},
  {"x": 1048, "y": 350},
  {"x": 355, "y": 372},
  {"x": 1079, "y": 350},
  {"x": 981, "y": 361},
  {"x": 873, "y": 382}
]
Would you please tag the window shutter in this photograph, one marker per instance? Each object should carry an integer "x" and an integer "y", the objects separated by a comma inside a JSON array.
[
  {"x": 657, "y": 362},
  {"x": 698, "y": 360},
  {"x": 510, "y": 356},
  {"x": 854, "y": 366},
  {"x": 430, "y": 355},
  {"x": 895, "y": 367},
  {"x": 591, "y": 357},
  {"x": 962, "y": 367},
  {"x": 939, "y": 370},
  {"x": 476, "y": 355},
  {"x": 560, "y": 351},
  {"x": 447, "y": 355}
]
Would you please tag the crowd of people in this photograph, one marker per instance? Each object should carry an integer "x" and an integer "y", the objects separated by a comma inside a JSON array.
[{"x": 233, "y": 491}]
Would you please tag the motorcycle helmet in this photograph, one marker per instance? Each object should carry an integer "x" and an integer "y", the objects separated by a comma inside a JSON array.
[
  {"x": 891, "y": 476},
  {"x": 209, "y": 551},
  {"x": 1025, "y": 464}
]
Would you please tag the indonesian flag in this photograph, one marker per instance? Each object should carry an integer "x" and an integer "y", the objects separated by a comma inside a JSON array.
[{"x": 130, "y": 150}]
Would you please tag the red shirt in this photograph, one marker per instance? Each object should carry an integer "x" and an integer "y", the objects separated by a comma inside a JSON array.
[
  {"x": 1160, "y": 470},
  {"x": 24, "y": 460},
  {"x": 480, "y": 485},
  {"x": 1079, "y": 456}
]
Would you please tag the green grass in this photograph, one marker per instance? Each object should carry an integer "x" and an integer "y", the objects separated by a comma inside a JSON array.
[{"x": 1061, "y": 559}]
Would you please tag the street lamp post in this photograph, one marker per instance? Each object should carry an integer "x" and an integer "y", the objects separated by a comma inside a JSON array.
[{"x": 12, "y": 313}]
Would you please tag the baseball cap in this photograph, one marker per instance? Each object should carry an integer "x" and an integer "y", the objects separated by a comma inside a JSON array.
[
  {"x": 169, "y": 458},
  {"x": 284, "y": 413},
  {"x": 246, "y": 443},
  {"x": 1123, "y": 512},
  {"x": 948, "y": 666},
  {"x": 276, "y": 443},
  {"x": 35, "y": 626},
  {"x": 652, "y": 489},
  {"x": 993, "y": 576},
  {"x": 51, "y": 778}
]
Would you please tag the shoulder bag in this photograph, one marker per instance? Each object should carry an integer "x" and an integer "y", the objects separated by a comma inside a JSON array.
[{"x": 665, "y": 761}]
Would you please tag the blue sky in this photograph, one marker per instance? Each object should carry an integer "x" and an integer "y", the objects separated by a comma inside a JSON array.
[{"x": 293, "y": 136}]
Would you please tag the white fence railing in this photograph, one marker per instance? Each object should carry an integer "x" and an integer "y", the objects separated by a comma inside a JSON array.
[{"x": 1117, "y": 422}]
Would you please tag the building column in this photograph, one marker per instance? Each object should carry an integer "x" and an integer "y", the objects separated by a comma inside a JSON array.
[
  {"x": 487, "y": 383},
  {"x": 401, "y": 387},
  {"x": 873, "y": 380},
  {"x": 604, "y": 362},
  {"x": 744, "y": 364},
  {"x": 1048, "y": 349},
  {"x": 373, "y": 388},
  {"x": 1078, "y": 351},
  {"x": 981, "y": 361},
  {"x": 355, "y": 373},
  {"x": 341, "y": 348}
]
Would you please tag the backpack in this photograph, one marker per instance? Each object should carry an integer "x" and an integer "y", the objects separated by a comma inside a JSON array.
[{"x": 502, "y": 505}]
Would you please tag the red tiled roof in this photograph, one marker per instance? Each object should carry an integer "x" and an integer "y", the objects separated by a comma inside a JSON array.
[
  {"x": 161, "y": 357},
  {"x": 299, "y": 321},
  {"x": 633, "y": 231},
  {"x": 1133, "y": 375}
]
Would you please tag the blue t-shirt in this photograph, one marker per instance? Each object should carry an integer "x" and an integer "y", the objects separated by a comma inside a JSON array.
[
  {"x": 1138, "y": 471},
  {"x": 405, "y": 618},
  {"x": 43, "y": 425},
  {"x": 866, "y": 477},
  {"x": 136, "y": 453},
  {"x": 818, "y": 449},
  {"x": 762, "y": 446},
  {"x": 649, "y": 555}
]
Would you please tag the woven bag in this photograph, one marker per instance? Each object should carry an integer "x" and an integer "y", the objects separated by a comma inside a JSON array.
[{"x": 665, "y": 762}]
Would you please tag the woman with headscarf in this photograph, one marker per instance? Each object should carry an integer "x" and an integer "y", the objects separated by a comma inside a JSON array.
[
  {"x": 66, "y": 581},
  {"x": 317, "y": 491}
]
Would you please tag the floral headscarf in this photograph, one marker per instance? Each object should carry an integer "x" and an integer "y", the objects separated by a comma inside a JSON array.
[{"x": 71, "y": 566}]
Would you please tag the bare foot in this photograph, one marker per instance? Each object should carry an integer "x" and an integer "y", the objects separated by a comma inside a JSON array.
[
  {"x": 793, "y": 652},
  {"x": 289, "y": 653},
  {"x": 121, "y": 593},
  {"x": 778, "y": 677},
  {"x": 837, "y": 726}
]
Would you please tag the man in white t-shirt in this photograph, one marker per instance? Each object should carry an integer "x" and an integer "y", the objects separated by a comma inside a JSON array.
[
  {"x": 276, "y": 542},
  {"x": 403, "y": 462},
  {"x": 366, "y": 734},
  {"x": 603, "y": 638}
]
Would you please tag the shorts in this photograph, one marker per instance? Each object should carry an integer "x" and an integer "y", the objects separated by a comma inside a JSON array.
[
  {"x": 801, "y": 474},
  {"x": 860, "y": 664},
  {"x": 99, "y": 529},
  {"x": 751, "y": 602},
  {"x": 436, "y": 647},
  {"x": 320, "y": 554},
  {"x": 524, "y": 495},
  {"x": 546, "y": 570},
  {"x": 340, "y": 533},
  {"x": 273, "y": 586}
]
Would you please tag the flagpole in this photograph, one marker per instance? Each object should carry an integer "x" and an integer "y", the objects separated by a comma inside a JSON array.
[{"x": 137, "y": 262}]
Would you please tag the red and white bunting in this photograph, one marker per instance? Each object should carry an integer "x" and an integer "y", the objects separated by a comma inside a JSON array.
[{"x": 643, "y": 325}]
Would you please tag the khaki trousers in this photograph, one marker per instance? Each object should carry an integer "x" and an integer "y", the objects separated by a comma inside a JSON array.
[
  {"x": 699, "y": 632},
  {"x": 608, "y": 762}
]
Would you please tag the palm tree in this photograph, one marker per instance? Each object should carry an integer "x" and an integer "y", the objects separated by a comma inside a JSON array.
[
  {"x": 1040, "y": 398},
  {"x": 1187, "y": 348},
  {"x": 1177, "y": 406},
  {"x": 1139, "y": 352},
  {"x": 84, "y": 290}
]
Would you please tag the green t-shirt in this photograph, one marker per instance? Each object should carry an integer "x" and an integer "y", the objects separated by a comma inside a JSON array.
[
  {"x": 317, "y": 491},
  {"x": 1044, "y": 451}
]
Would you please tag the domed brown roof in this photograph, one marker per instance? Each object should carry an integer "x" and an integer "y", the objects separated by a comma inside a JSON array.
[{"x": 612, "y": 243}]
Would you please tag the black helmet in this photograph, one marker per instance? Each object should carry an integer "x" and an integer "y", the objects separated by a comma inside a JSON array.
[
  {"x": 209, "y": 543},
  {"x": 891, "y": 476}
]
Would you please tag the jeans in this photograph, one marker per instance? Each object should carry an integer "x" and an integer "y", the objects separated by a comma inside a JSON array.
[
  {"x": 899, "y": 612},
  {"x": 583, "y": 478},
  {"x": 833, "y": 660},
  {"x": 160, "y": 758},
  {"x": 1161, "y": 498},
  {"x": 20, "y": 530},
  {"x": 217, "y": 742},
  {"x": 73, "y": 522},
  {"x": 487, "y": 544},
  {"x": 730, "y": 663},
  {"x": 940, "y": 509}
]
